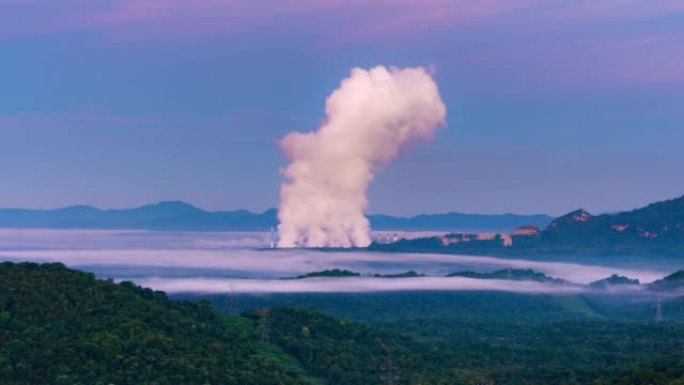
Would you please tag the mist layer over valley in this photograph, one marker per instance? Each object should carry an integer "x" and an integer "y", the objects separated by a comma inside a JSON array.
[{"x": 212, "y": 261}]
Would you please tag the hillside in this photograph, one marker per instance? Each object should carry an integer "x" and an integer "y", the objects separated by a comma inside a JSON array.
[
  {"x": 613, "y": 281},
  {"x": 657, "y": 229},
  {"x": 177, "y": 215},
  {"x": 673, "y": 282},
  {"x": 60, "y": 326},
  {"x": 511, "y": 275},
  {"x": 658, "y": 224},
  {"x": 509, "y": 338},
  {"x": 334, "y": 273}
]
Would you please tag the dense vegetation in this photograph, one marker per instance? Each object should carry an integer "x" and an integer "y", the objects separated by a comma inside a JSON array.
[
  {"x": 674, "y": 281},
  {"x": 510, "y": 274},
  {"x": 337, "y": 273},
  {"x": 59, "y": 326},
  {"x": 613, "y": 280},
  {"x": 507, "y": 338},
  {"x": 408, "y": 274},
  {"x": 352, "y": 353},
  {"x": 342, "y": 273}
]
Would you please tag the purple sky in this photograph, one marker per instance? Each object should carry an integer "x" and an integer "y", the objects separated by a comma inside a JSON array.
[{"x": 553, "y": 104}]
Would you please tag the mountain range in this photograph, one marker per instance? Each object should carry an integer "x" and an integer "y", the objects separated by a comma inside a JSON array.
[
  {"x": 178, "y": 215},
  {"x": 654, "y": 229},
  {"x": 657, "y": 223}
]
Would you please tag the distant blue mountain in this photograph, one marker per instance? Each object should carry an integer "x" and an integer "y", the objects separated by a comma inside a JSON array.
[
  {"x": 456, "y": 222},
  {"x": 177, "y": 215}
]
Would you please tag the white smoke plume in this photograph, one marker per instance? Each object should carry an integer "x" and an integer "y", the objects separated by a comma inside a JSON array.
[{"x": 369, "y": 118}]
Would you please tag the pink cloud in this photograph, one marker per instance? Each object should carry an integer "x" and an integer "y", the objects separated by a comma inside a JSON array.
[
  {"x": 633, "y": 42},
  {"x": 615, "y": 9},
  {"x": 408, "y": 16},
  {"x": 572, "y": 61},
  {"x": 127, "y": 12},
  {"x": 350, "y": 18},
  {"x": 516, "y": 40}
]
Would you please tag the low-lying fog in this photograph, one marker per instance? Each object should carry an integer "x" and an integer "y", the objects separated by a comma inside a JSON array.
[{"x": 213, "y": 261}]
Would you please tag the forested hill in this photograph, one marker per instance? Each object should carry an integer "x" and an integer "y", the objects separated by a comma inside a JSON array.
[
  {"x": 59, "y": 326},
  {"x": 655, "y": 229},
  {"x": 658, "y": 224}
]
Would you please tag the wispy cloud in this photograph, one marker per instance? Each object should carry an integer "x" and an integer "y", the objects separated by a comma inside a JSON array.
[
  {"x": 539, "y": 43},
  {"x": 117, "y": 241},
  {"x": 209, "y": 262},
  {"x": 406, "y": 17},
  {"x": 616, "y": 10},
  {"x": 222, "y": 254},
  {"x": 633, "y": 42},
  {"x": 362, "y": 18},
  {"x": 351, "y": 285}
]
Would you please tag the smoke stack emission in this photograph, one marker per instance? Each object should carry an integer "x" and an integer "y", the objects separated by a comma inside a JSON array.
[{"x": 369, "y": 119}]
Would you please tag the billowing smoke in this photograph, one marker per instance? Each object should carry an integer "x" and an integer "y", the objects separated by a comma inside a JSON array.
[{"x": 369, "y": 118}]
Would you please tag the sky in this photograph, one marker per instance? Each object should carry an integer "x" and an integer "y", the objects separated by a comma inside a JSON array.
[{"x": 552, "y": 105}]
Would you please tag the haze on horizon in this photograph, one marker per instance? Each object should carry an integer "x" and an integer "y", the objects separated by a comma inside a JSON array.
[{"x": 554, "y": 105}]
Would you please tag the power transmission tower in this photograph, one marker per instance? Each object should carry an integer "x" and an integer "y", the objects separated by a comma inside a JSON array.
[
  {"x": 263, "y": 324},
  {"x": 231, "y": 300},
  {"x": 388, "y": 367},
  {"x": 659, "y": 311}
]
